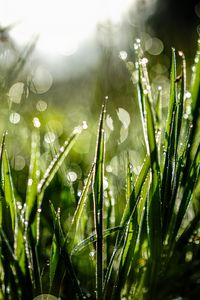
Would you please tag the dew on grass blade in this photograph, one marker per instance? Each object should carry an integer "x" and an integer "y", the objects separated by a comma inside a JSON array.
[{"x": 84, "y": 125}]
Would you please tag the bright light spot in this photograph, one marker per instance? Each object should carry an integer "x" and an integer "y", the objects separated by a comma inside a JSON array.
[
  {"x": 41, "y": 80},
  {"x": 123, "y": 134},
  {"x": 72, "y": 176},
  {"x": 50, "y": 137},
  {"x": 16, "y": 91},
  {"x": 123, "y": 55},
  {"x": 18, "y": 163},
  {"x": 14, "y": 118},
  {"x": 137, "y": 170},
  {"x": 30, "y": 182},
  {"x": 36, "y": 122},
  {"x": 61, "y": 25},
  {"x": 156, "y": 47},
  {"x": 105, "y": 183},
  {"x": 41, "y": 105},
  {"x": 180, "y": 53},
  {"x": 109, "y": 122},
  {"x": 84, "y": 125},
  {"x": 109, "y": 169},
  {"x": 45, "y": 297},
  {"x": 124, "y": 117},
  {"x": 144, "y": 61},
  {"x": 187, "y": 95}
]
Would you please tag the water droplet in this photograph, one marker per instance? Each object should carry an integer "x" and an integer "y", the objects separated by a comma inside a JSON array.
[
  {"x": 77, "y": 130},
  {"x": 30, "y": 182},
  {"x": 138, "y": 41},
  {"x": 187, "y": 95},
  {"x": 62, "y": 149},
  {"x": 180, "y": 53},
  {"x": 36, "y": 122},
  {"x": 84, "y": 125},
  {"x": 19, "y": 205},
  {"x": 39, "y": 210}
]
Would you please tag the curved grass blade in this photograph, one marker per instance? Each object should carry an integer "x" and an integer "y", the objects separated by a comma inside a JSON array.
[
  {"x": 81, "y": 204},
  {"x": 33, "y": 179},
  {"x": 194, "y": 175},
  {"x": 127, "y": 215},
  {"x": 92, "y": 239},
  {"x": 132, "y": 242},
  {"x": 1, "y": 179},
  {"x": 169, "y": 156},
  {"x": 10, "y": 221},
  {"x": 58, "y": 160}
]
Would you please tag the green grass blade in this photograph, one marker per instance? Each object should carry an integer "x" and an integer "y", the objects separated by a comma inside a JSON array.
[
  {"x": 99, "y": 203},
  {"x": 58, "y": 160},
  {"x": 64, "y": 257},
  {"x": 92, "y": 239},
  {"x": 81, "y": 204},
  {"x": 10, "y": 211},
  {"x": 33, "y": 179},
  {"x": 132, "y": 241},
  {"x": 195, "y": 82},
  {"x": 169, "y": 149},
  {"x": 127, "y": 216},
  {"x": 188, "y": 192},
  {"x": 1, "y": 179}
]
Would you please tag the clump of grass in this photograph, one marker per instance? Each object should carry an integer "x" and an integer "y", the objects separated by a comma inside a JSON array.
[{"x": 135, "y": 259}]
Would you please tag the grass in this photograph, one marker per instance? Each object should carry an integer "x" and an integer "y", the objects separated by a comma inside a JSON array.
[{"x": 152, "y": 250}]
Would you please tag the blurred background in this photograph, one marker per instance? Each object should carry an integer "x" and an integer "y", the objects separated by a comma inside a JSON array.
[{"x": 60, "y": 59}]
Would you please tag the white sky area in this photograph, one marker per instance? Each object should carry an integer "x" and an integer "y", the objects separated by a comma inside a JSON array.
[{"x": 62, "y": 24}]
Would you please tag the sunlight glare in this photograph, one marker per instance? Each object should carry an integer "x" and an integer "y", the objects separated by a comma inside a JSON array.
[{"x": 62, "y": 25}]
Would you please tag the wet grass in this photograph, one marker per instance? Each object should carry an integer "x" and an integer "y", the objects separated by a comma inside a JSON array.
[{"x": 89, "y": 254}]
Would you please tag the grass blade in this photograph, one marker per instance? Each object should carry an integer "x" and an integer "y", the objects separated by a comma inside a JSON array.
[
  {"x": 34, "y": 173},
  {"x": 58, "y": 160},
  {"x": 81, "y": 204},
  {"x": 99, "y": 202}
]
